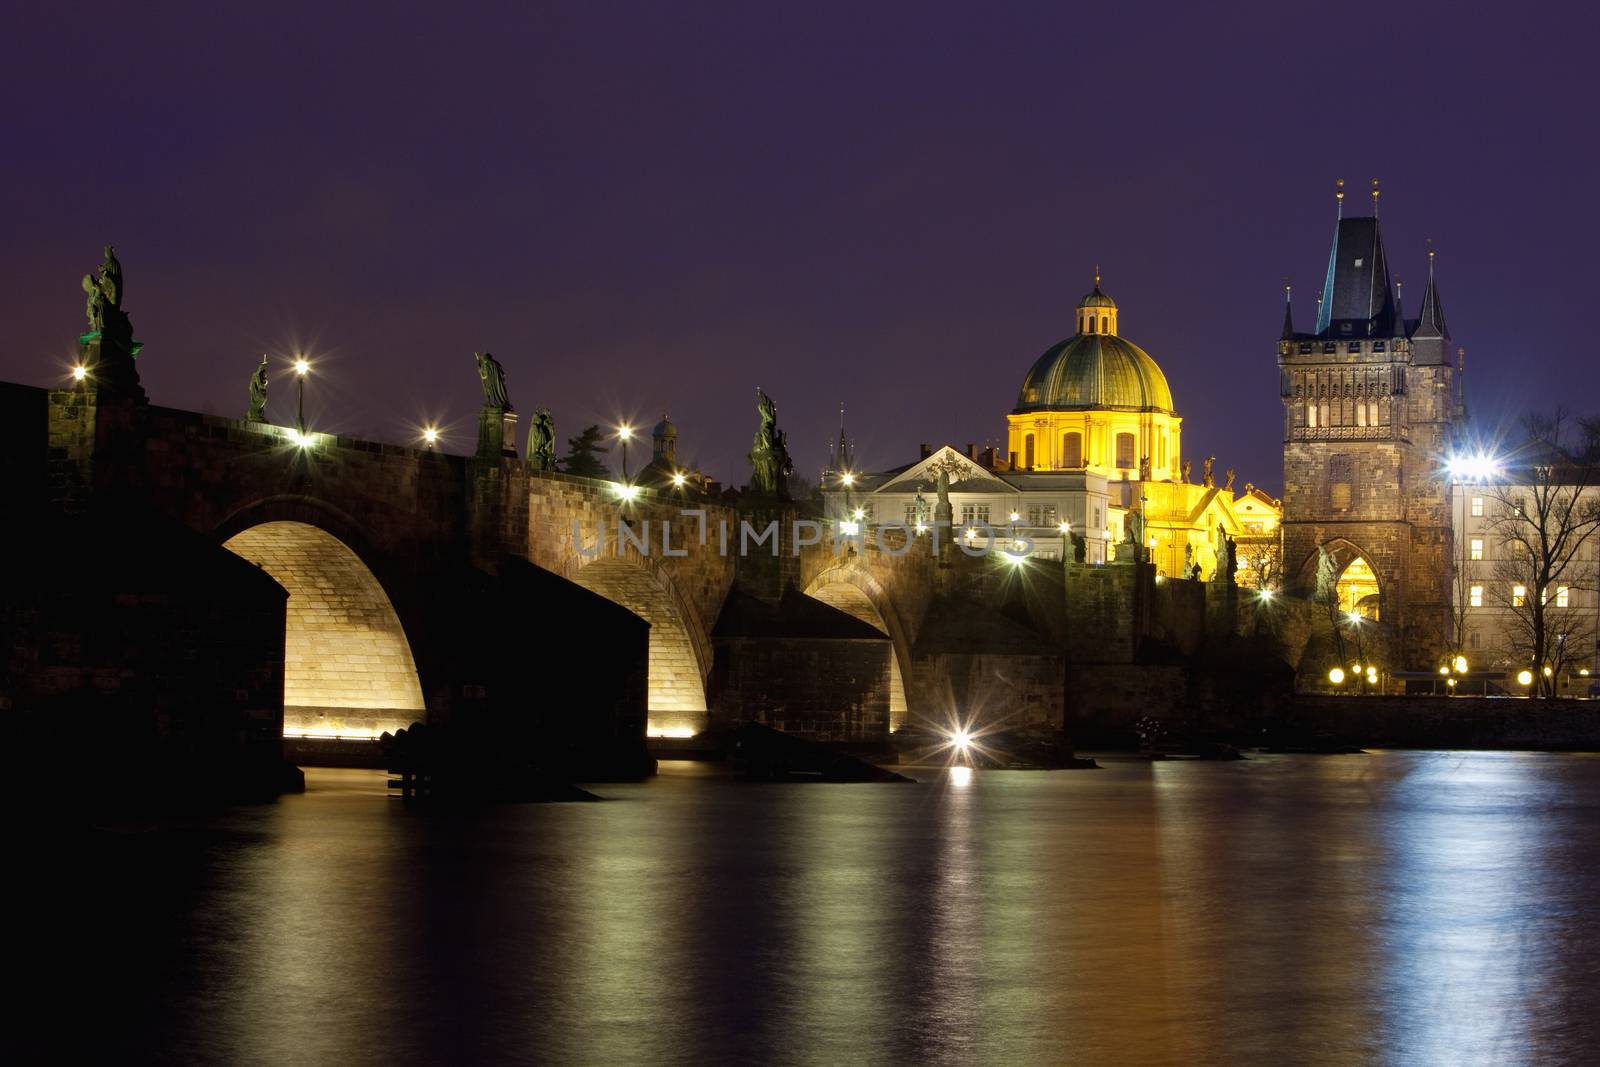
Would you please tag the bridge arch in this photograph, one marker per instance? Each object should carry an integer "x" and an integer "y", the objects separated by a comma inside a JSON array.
[
  {"x": 1358, "y": 588},
  {"x": 851, "y": 589},
  {"x": 349, "y": 670},
  {"x": 680, "y": 650}
]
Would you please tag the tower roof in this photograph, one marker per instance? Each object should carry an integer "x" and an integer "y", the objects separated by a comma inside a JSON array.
[
  {"x": 1357, "y": 297},
  {"x": 1431, "y": 323},
  {"x": 1097, "y": 299}
]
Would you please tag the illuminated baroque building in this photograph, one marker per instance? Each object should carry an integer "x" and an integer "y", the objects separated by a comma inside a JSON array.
[
  {"x": 1371, "y": 405},
  {"x": 1093, "y": 439}
]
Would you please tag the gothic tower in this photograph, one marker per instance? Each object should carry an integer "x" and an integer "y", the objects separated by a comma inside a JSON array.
[{"x": 1369, "y": 414}]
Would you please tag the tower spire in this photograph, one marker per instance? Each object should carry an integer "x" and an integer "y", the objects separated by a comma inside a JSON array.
[
  {"x": 1431, "y": 323},
  {"x": 1338, "y": 196},
  {"x": 1097, "y": 275},
  {"x": 1288, "y": 310},
  {"x": 1374, "y": 198}
]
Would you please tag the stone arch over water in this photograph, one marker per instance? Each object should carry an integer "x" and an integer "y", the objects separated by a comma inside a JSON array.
[
  {"x": 851, "y": 590},
  {"x": 680, "y": 656},
  {"x": 348, "y": 664}
]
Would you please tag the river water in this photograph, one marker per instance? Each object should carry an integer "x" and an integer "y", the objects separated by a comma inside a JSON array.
[{"x": 1387, "y": 907}]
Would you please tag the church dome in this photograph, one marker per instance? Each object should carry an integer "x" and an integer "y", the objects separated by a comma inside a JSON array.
[{"x": 1095, "y": 371}]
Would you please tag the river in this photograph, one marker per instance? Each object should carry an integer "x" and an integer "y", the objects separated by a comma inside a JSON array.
[{"x": 1390, "y": 907}]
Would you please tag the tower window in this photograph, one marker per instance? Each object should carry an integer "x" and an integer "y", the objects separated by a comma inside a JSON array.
[
  {"x": 1475, "y": 596},
  {"x": 1027, "y": 451},
  {"x": 1125, "y": 450},
  {"x": 1105, "y": 324},
  {"x": 1341, "y": 478}
]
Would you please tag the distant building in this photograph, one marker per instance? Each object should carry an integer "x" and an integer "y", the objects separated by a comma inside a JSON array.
[
  {"x": 1094, "y": 438},
  {"x": 1494, "y": 579}
]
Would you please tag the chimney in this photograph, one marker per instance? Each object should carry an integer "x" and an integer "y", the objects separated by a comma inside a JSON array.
[
  {"x": 972, "y": 452},
  {"x": 925, "y": 450},
  {"x": 1013, "y": 462}
]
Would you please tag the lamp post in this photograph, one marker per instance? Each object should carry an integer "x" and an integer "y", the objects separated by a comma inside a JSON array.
[
  {"x": 1066, "y": 541},
  {"x": 301, "y": 369},
  {"x": 624, "y": 434}
]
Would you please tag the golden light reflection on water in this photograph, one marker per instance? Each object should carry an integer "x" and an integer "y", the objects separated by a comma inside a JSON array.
[{"x": 1399, "y": 907}]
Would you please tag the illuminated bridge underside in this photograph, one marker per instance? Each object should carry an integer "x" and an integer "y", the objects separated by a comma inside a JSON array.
[
  {"x": 852, "y": 601},
  {"x": 677, "y": 688},
  {"x": 348, "y": 667}
]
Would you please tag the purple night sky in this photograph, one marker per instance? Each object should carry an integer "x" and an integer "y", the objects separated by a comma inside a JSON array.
[{"x": 657, "y": 207}]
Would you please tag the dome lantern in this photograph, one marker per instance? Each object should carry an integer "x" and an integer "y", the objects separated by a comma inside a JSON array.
[{"x": 1097, "y": 312}]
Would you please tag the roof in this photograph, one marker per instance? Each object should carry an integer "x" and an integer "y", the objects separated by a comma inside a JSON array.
[
  {"x": 1097, "y": 299},
  {"x": 1356, "y": 291},
  {"x": 1094, "y": 371}
]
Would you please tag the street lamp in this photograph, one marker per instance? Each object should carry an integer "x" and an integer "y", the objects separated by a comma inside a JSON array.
[
  {"x": 301, "y": 369},
  {"x": 1336, "y": 676},
  {"x": 80, "y": 372},
  {"x": 430, "y": 436},
  {"x": 624, "y": 434}
]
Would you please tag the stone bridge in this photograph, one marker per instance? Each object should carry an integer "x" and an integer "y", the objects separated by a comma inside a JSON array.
[{"x": 410, "y": 594}]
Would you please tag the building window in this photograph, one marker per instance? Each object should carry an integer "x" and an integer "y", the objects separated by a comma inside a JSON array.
[
  {"x": 1027, "y": 451},
  {"x": 1105, "y": 324},
  {"x": 1475, "y": 551},
  {"x": 1477, "y": 507},
  {"x": 1475, "y": 596},
  {"x": 1041, "y": 514},
  {"x": 1562, "y": 597},
  {"x": 1341, "y": 479},
  {"x": 974, "y": 513},
  {"x": 1125, "y": 451},
  {"x": 1472, "y": 639},
  {"x": 1072, "y": 450},
  {"x": 1519, "y": 595}
]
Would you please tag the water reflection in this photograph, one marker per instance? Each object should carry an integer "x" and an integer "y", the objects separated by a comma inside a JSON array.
[{"x": 1408, "y": 907}]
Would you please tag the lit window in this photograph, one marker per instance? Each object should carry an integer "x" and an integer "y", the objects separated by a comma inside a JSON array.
[
  {"x": 1475, "y": 596},
  {"x": 1477, "y": 507},
  {"x": 1476, "y": 549},
  {"x": 1562, "y": 597},
  {"x": 1519, "y": 595},
  {"x": 1125, "y": 451}
]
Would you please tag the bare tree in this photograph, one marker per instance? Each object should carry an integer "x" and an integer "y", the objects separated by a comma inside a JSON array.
[{"x": 1546, "y": 510}]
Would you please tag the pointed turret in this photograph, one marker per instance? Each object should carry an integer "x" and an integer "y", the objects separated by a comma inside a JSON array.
[
  {"x": 1288, "y": 313},
  {"x": 1430, "y": 340}
]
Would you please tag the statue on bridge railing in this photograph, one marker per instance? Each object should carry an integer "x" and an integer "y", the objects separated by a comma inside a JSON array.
[
  {"x": 542, "y": 441},
  {"x": 258, "y": 394},
  {"x": 493, "y": 377},
  {"x": 108, "y": 347},
  {"x": 770, "y": 465}
]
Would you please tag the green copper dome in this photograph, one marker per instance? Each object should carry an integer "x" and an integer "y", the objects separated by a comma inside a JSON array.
[{"x": 1095, "y": 370}]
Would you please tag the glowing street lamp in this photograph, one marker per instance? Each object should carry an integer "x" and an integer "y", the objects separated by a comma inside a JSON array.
[
  {"x": 624, "y": 435},
  {"x": 1336, "y": 676},
  {"x": 301, "y": 369},
  {"x": 847, "y": 479},
  {"x": 430, "y": 436},
  {"x": 1460, "y": 664},
  {"x": 678, "y": 479},
  {"x": 80, "y": 373},
  {"x": 1524, "y": 677}
]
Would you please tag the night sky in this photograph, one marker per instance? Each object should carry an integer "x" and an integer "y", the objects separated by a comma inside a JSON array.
[{"x": 660, "y": 207}]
